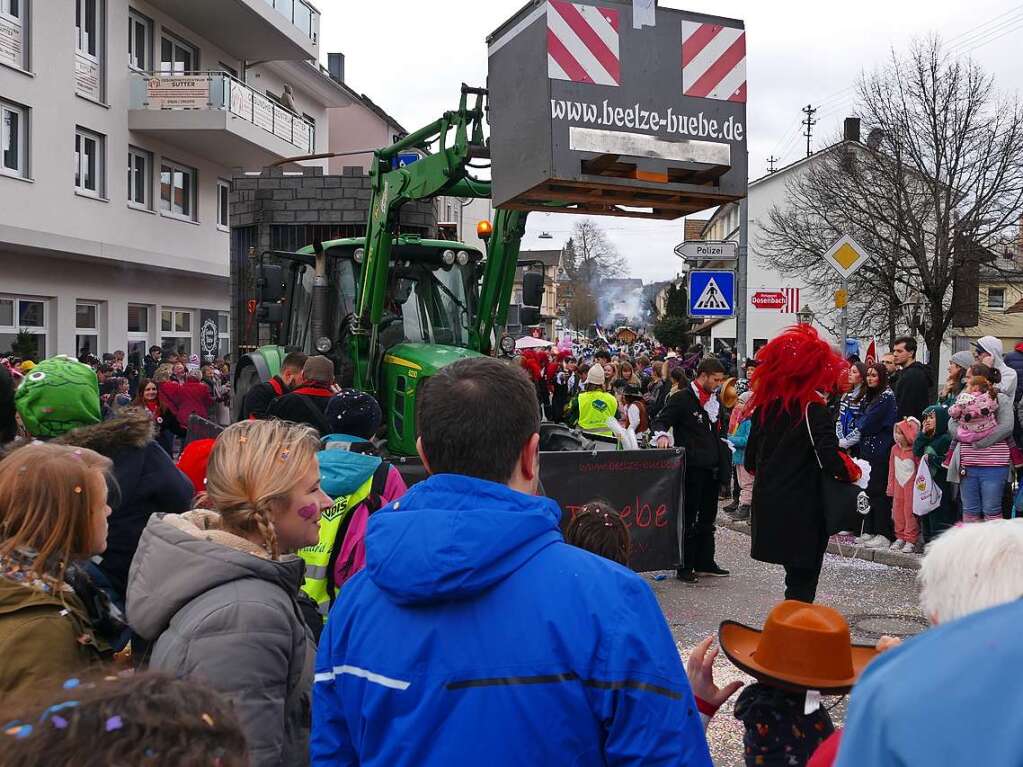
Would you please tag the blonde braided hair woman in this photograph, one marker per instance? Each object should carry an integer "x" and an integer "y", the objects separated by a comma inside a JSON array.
[{"x": 216, "y": 590}]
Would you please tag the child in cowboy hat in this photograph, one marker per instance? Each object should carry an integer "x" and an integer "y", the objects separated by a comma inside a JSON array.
[{"x": 803, "y": 651}]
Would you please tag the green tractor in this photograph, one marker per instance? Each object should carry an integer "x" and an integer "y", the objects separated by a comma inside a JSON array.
[{"x": 391, "y": 309}]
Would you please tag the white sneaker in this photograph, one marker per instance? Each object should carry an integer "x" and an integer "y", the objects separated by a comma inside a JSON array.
[
  {"x": 914, "y": 548},
  {"x": 896, "y": 545},
  {"x": 878, "y": 542},
  {"x": 863, "y": 540}
]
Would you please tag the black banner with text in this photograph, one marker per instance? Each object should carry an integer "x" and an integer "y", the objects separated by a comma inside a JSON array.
[{"x": 645, "y": 486}]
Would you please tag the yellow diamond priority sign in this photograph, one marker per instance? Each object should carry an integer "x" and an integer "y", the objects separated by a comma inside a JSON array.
[{"x": 846, "y": 256}]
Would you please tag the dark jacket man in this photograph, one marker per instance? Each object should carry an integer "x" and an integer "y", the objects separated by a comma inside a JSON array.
[
  {"x": 912, "y": 386},
  {"x": 692, "y": 427},
  {"x": 913, "y": 390},
  {"x": 695, "y": 429},
  {"x": 258, "y": 398},
  {"x": 308, "y": 403},
  {"x": 152, "y": 361}
]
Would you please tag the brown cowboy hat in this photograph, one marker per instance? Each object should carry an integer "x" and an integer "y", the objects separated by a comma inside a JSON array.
[{"x": 801, "y": 647}]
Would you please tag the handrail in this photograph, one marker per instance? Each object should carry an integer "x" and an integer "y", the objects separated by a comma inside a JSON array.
[
  {"x": 226, "y": 92},
  {"x": 313, "y": 16}
]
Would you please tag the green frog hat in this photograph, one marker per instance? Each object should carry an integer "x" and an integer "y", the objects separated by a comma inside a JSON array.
[{"x": 58, "y": 395}]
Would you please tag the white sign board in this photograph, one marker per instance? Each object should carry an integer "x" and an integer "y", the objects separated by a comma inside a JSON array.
[
  {"x": 11, "y": 46},
  {"x": 241, "y": 100},
  {"x": 263, "y": 112},
  {"x": 708, "y": 250},
  {"x": 178, "y": 92},
  {"x": 87, "y": 79},
  {"x": 846, "y": 256}
]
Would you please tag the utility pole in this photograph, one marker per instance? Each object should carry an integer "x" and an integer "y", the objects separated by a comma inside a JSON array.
[
  {"x": 742, "y": 266},
  {"x": 771, "y": 161},
  {"x": 809, "y": 122}
]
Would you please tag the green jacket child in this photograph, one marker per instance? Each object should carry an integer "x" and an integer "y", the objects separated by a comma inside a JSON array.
[{"x": 933, "y": 441}]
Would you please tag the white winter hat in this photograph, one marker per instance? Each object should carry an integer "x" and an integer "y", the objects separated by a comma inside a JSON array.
[{"x": 595, "y": 375}]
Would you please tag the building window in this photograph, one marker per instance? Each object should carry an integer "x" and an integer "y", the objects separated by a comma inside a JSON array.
[
  {"x": 89, "y": 162},
  {"x": 89, "y": 48},
  {"x": 12, "y": 32},
  {"x": 178, "y": 190},
  {"x": 176, "y": 56},
  {"x": 140, "y": 163},
  {"x": 140, "y": 42},
  {"x": 138, "y": 334},
  {"x": 24, "y": 317},
  {"x": 224, "y": 331},
  {"x": 996, "y": 299},
  {"x": 13, "y": 130},
  {"x": 138, "y": 319},
  {"x": 176, "y": 331},
  {"x": 87, "y": 329},
  {"x": 223, "y": 215}
]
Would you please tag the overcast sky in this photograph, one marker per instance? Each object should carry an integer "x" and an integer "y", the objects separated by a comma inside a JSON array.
[{"x": 410, "y": 58}]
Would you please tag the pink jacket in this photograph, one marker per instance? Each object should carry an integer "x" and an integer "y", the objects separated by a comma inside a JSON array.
[
  {"x": 902, "y": 463},
  {"x": 352, "y": 557}
]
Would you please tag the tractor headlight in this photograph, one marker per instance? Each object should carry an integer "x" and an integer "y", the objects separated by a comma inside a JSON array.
[
  {"x": 360, "y": 253},
  {"x": 323, "y": 344},
  {"x": 463, "y": 257},
  {"x": 448, "y": 257}
]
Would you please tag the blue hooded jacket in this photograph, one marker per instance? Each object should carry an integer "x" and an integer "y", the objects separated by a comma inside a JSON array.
[
  {"x": 477, "y": 636},
  {"x": 945, "y": 697}
]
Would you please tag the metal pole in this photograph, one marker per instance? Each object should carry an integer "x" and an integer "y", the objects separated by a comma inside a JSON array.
[
  {"x": 741, "y": 301},
  {"x": 844, "y": 317}
]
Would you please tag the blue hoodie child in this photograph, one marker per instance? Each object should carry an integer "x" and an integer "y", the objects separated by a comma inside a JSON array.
[{"x": 477, "y": 636}]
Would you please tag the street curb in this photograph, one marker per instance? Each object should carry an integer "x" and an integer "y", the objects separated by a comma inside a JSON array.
[{"x": 847, "y": 550}]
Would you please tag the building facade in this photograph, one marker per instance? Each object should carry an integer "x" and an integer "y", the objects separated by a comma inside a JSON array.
[
  {"x": 550, "y": 262},
  {"x": 123, "y": 125}
]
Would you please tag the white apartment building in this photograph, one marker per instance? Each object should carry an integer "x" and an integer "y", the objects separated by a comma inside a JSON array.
[{"x": 122, "y": 123}]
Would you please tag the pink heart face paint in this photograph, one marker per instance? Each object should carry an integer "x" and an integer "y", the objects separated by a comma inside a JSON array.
[{"x": 309, "y": 512}]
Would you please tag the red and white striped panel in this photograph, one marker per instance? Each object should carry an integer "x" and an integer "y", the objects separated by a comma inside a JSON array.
[
  {"x": 582, "y": 43},
  {"x": 791, "y": 300},
  {"x": 713, "y": 61}
]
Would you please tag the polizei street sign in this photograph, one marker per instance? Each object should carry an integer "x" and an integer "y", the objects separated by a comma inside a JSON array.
[{"x": 708, "y": 250}]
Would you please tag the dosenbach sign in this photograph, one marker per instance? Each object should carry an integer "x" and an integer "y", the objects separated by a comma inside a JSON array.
[{"x": 715, "y": 250}]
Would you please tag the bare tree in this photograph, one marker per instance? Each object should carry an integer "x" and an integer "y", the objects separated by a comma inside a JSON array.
[
  {"x": 583, "y": 310},
  {"x": 933, "y": 194},
  {"x": 595, "y": 258}
]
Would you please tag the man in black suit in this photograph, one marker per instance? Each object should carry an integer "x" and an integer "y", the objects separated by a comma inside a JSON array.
[{"x": 693, "y": 414}]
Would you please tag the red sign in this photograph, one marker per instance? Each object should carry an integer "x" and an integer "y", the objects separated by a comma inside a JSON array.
[{"x": 773, "y": 299}]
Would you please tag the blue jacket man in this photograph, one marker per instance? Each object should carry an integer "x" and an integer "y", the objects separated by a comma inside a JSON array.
[{"x": 476, "y": 635}]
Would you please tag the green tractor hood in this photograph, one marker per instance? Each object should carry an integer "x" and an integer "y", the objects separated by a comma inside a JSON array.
[{"x": 404, "y": 368}]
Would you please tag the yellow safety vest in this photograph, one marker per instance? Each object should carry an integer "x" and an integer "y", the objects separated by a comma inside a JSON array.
[
  {"x": 317, "y": 558},
  {"x": 595, "y": 407}
]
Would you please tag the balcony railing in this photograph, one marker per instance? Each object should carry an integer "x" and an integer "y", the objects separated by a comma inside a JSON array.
[
  {"x": 300, "y": 13},
  {"x": 221, "y": 91}
]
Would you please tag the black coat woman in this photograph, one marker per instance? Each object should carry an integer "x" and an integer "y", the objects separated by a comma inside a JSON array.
[{"x": 792, "y": 443}]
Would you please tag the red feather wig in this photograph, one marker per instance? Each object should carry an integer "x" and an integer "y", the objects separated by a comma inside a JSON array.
[{"x": 793, "y": 370}]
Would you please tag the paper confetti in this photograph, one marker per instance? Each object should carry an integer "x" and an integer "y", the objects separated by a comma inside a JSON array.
[{"x": 114, "y": 723}]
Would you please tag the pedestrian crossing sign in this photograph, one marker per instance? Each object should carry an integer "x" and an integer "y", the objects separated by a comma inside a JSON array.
[{"x": 711, "y": 293}]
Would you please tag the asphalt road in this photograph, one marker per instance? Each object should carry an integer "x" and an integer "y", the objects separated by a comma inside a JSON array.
[{"x": 874, "y": 598}]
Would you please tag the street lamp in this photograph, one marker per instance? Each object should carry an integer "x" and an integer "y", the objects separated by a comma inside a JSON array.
[
  {"x": 912, "y": 309},
  {"x": 805, "y": 315}
]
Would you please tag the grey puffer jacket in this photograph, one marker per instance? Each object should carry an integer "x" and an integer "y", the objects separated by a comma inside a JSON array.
[{"x": 220, "y": 610}]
